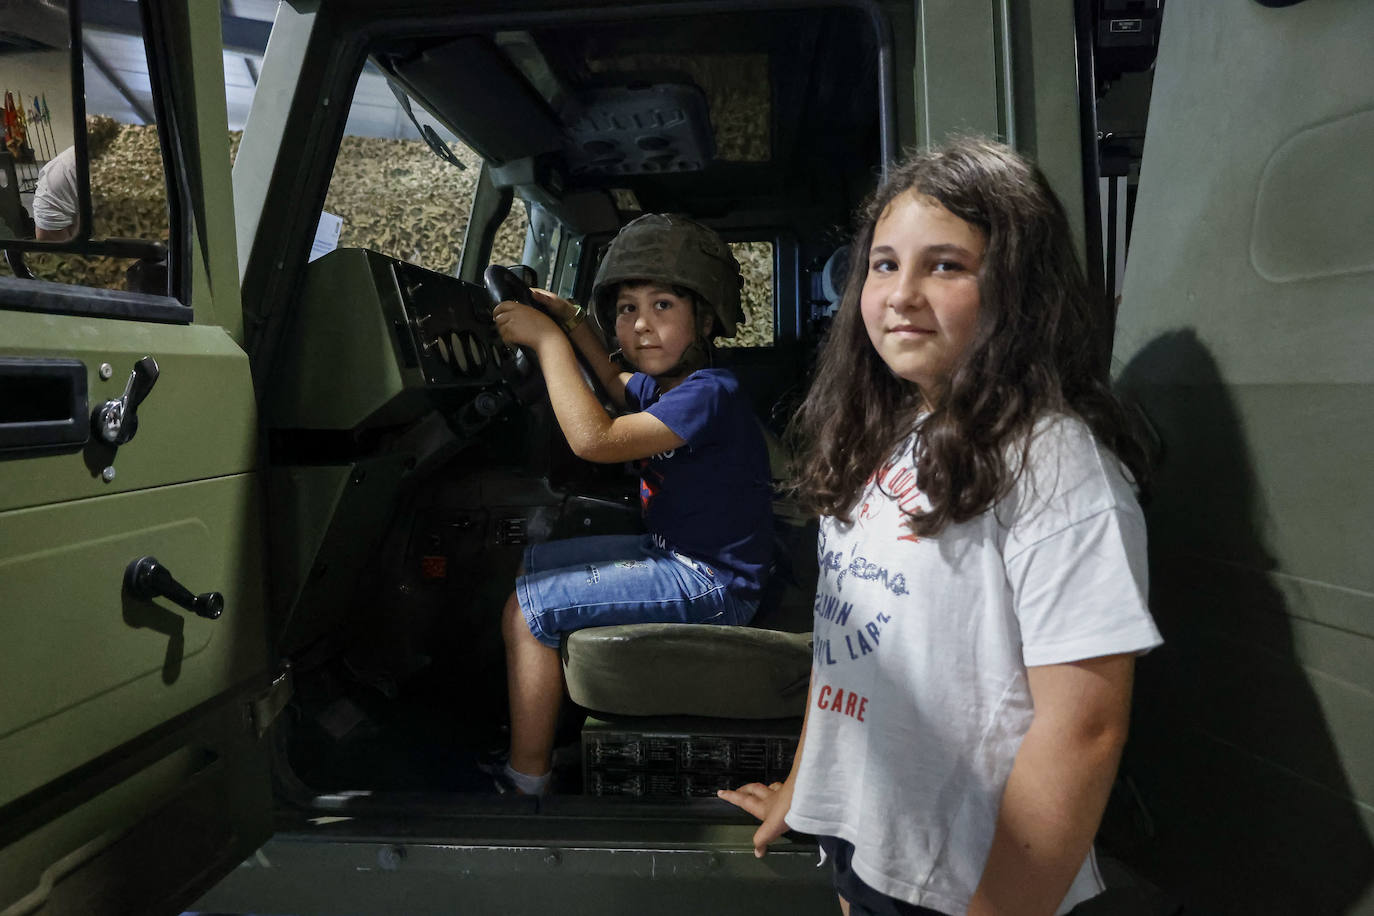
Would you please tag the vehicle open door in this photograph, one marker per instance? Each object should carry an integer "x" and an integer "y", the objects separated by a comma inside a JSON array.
[
  {"x": 133, "y": 768},
  {"x": 1243, "y": 335}
]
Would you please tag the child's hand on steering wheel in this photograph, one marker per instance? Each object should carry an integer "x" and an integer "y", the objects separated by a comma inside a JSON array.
[
  {"x": 524, "y": 326},
  {"x": 558, "y": 308}
]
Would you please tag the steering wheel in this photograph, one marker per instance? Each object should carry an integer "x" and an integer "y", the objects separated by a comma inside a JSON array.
[{"x": 503, "y": 285}]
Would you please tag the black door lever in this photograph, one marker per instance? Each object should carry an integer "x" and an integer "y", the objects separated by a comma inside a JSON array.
[{"x": 146, "y": 578}]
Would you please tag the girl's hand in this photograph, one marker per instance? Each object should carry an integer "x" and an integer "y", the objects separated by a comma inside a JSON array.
[
  {"x": 521, "y": 324},
  {"x": 767, "y": 803}
]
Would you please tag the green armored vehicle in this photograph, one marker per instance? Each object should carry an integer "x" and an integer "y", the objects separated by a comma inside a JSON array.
[{"x": 260, "y": 506}]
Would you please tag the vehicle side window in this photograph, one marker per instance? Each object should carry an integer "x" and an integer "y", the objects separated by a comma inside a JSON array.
[
  {"x": 756, "y": 264},
  {"x": 512, "y": 239},
  {"x": 55, "y": 144}
]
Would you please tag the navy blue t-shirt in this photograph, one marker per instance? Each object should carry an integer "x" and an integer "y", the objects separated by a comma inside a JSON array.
[{"x": 712, "y": 498}]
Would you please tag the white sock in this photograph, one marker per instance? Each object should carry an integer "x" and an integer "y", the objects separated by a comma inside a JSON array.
[{"x": 530, "y": 785}]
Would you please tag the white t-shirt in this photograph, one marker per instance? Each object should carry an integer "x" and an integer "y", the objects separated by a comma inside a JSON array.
[
  {"x": 919, "y": 691},
  {"x": 54, "y": 200}
]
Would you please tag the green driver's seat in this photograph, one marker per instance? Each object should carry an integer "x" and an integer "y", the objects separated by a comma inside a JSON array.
[{"x": 759, "y": 671}]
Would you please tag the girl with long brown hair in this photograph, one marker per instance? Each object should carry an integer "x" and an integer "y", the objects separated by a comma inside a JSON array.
[{"x": 982, "y": 552}]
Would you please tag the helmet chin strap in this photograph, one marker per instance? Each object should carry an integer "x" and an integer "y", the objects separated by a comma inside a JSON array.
[
  {"x": 698, "y": 354},
  {"x": 695, "y": 357}
]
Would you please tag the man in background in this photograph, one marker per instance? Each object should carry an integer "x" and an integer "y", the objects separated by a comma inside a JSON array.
[{"x": 55, "y": 199}]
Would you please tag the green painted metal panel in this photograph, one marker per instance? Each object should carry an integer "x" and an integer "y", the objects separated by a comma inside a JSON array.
[
  {"x": 957, "y": 78},
  {"x": 86, "y": 665},
  {"x": 341, "y": 365},
  {"x": 717, "y": 874},
  {"x": 1286, "y": 465},
  {"x": 151, "y": 832},
  {"x": 307, "y": 498},
  {"x": 199, "y": 421},
  {"x": 131, "y": 775},
  {"x": 1244, "y": 334},
  {"x": 1045, "y": 89},
  {"x": 215, "y": 292},
  {"x": 327, "y": 526},
  {"x": 1005, "y": 68}
]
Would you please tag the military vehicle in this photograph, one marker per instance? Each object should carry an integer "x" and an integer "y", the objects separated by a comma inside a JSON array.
[{"x": 258, "y": 512}]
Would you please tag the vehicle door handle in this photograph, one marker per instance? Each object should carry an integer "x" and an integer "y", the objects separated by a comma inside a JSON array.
[
  {"x": 146, "y": 578},
  {"x": 117, "y": 421},
  {"x": 43, "y": 406}
]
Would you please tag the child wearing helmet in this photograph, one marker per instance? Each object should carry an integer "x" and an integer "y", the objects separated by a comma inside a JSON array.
[{"x": 666, "y": 288}]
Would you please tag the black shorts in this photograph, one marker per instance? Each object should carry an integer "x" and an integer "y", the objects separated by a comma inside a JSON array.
[{"x": 864, "y": 900}]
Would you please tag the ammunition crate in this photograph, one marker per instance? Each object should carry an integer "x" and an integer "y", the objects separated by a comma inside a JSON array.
[{"x": 684, "y": 757}]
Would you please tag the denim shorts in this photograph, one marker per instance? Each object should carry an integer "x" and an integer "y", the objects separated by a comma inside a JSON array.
[{"x": 620, "y": 578}]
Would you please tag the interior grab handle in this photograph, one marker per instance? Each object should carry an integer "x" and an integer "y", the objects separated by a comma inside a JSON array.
[{"x": 146, "y": 578}]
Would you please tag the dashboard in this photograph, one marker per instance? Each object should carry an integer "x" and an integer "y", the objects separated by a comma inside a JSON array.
[
  {"x": 377, "y": 342},
  {"x": 451, "y": 328}
]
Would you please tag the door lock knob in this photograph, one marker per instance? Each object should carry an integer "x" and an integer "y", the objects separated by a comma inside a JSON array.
[{"x": 146, "y": 578}]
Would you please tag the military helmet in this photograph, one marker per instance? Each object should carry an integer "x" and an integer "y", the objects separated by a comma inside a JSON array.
[{"x": 677, "y": 251}]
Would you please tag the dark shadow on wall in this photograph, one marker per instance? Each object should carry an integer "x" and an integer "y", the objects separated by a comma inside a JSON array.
[{"x": 1232, "y": 796}]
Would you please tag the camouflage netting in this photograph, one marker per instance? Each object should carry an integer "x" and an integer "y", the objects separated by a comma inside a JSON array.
[
  {"x": 756, "y": 263},
  {"x": 128, "y": 200},
  {"x": 397, "y": 197},
  {"x": 394, "y": 196},
  {"x": 737, "y": 93}
]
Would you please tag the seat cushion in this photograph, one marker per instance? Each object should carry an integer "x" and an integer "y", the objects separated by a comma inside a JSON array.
[{"x": 672, "y": 669}]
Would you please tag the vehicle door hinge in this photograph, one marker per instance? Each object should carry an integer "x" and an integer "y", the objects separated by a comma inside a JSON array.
[{"x": 265, "y": 707}]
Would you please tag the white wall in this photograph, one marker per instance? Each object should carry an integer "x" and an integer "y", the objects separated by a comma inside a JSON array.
[{"x": 38, "y": 73}]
